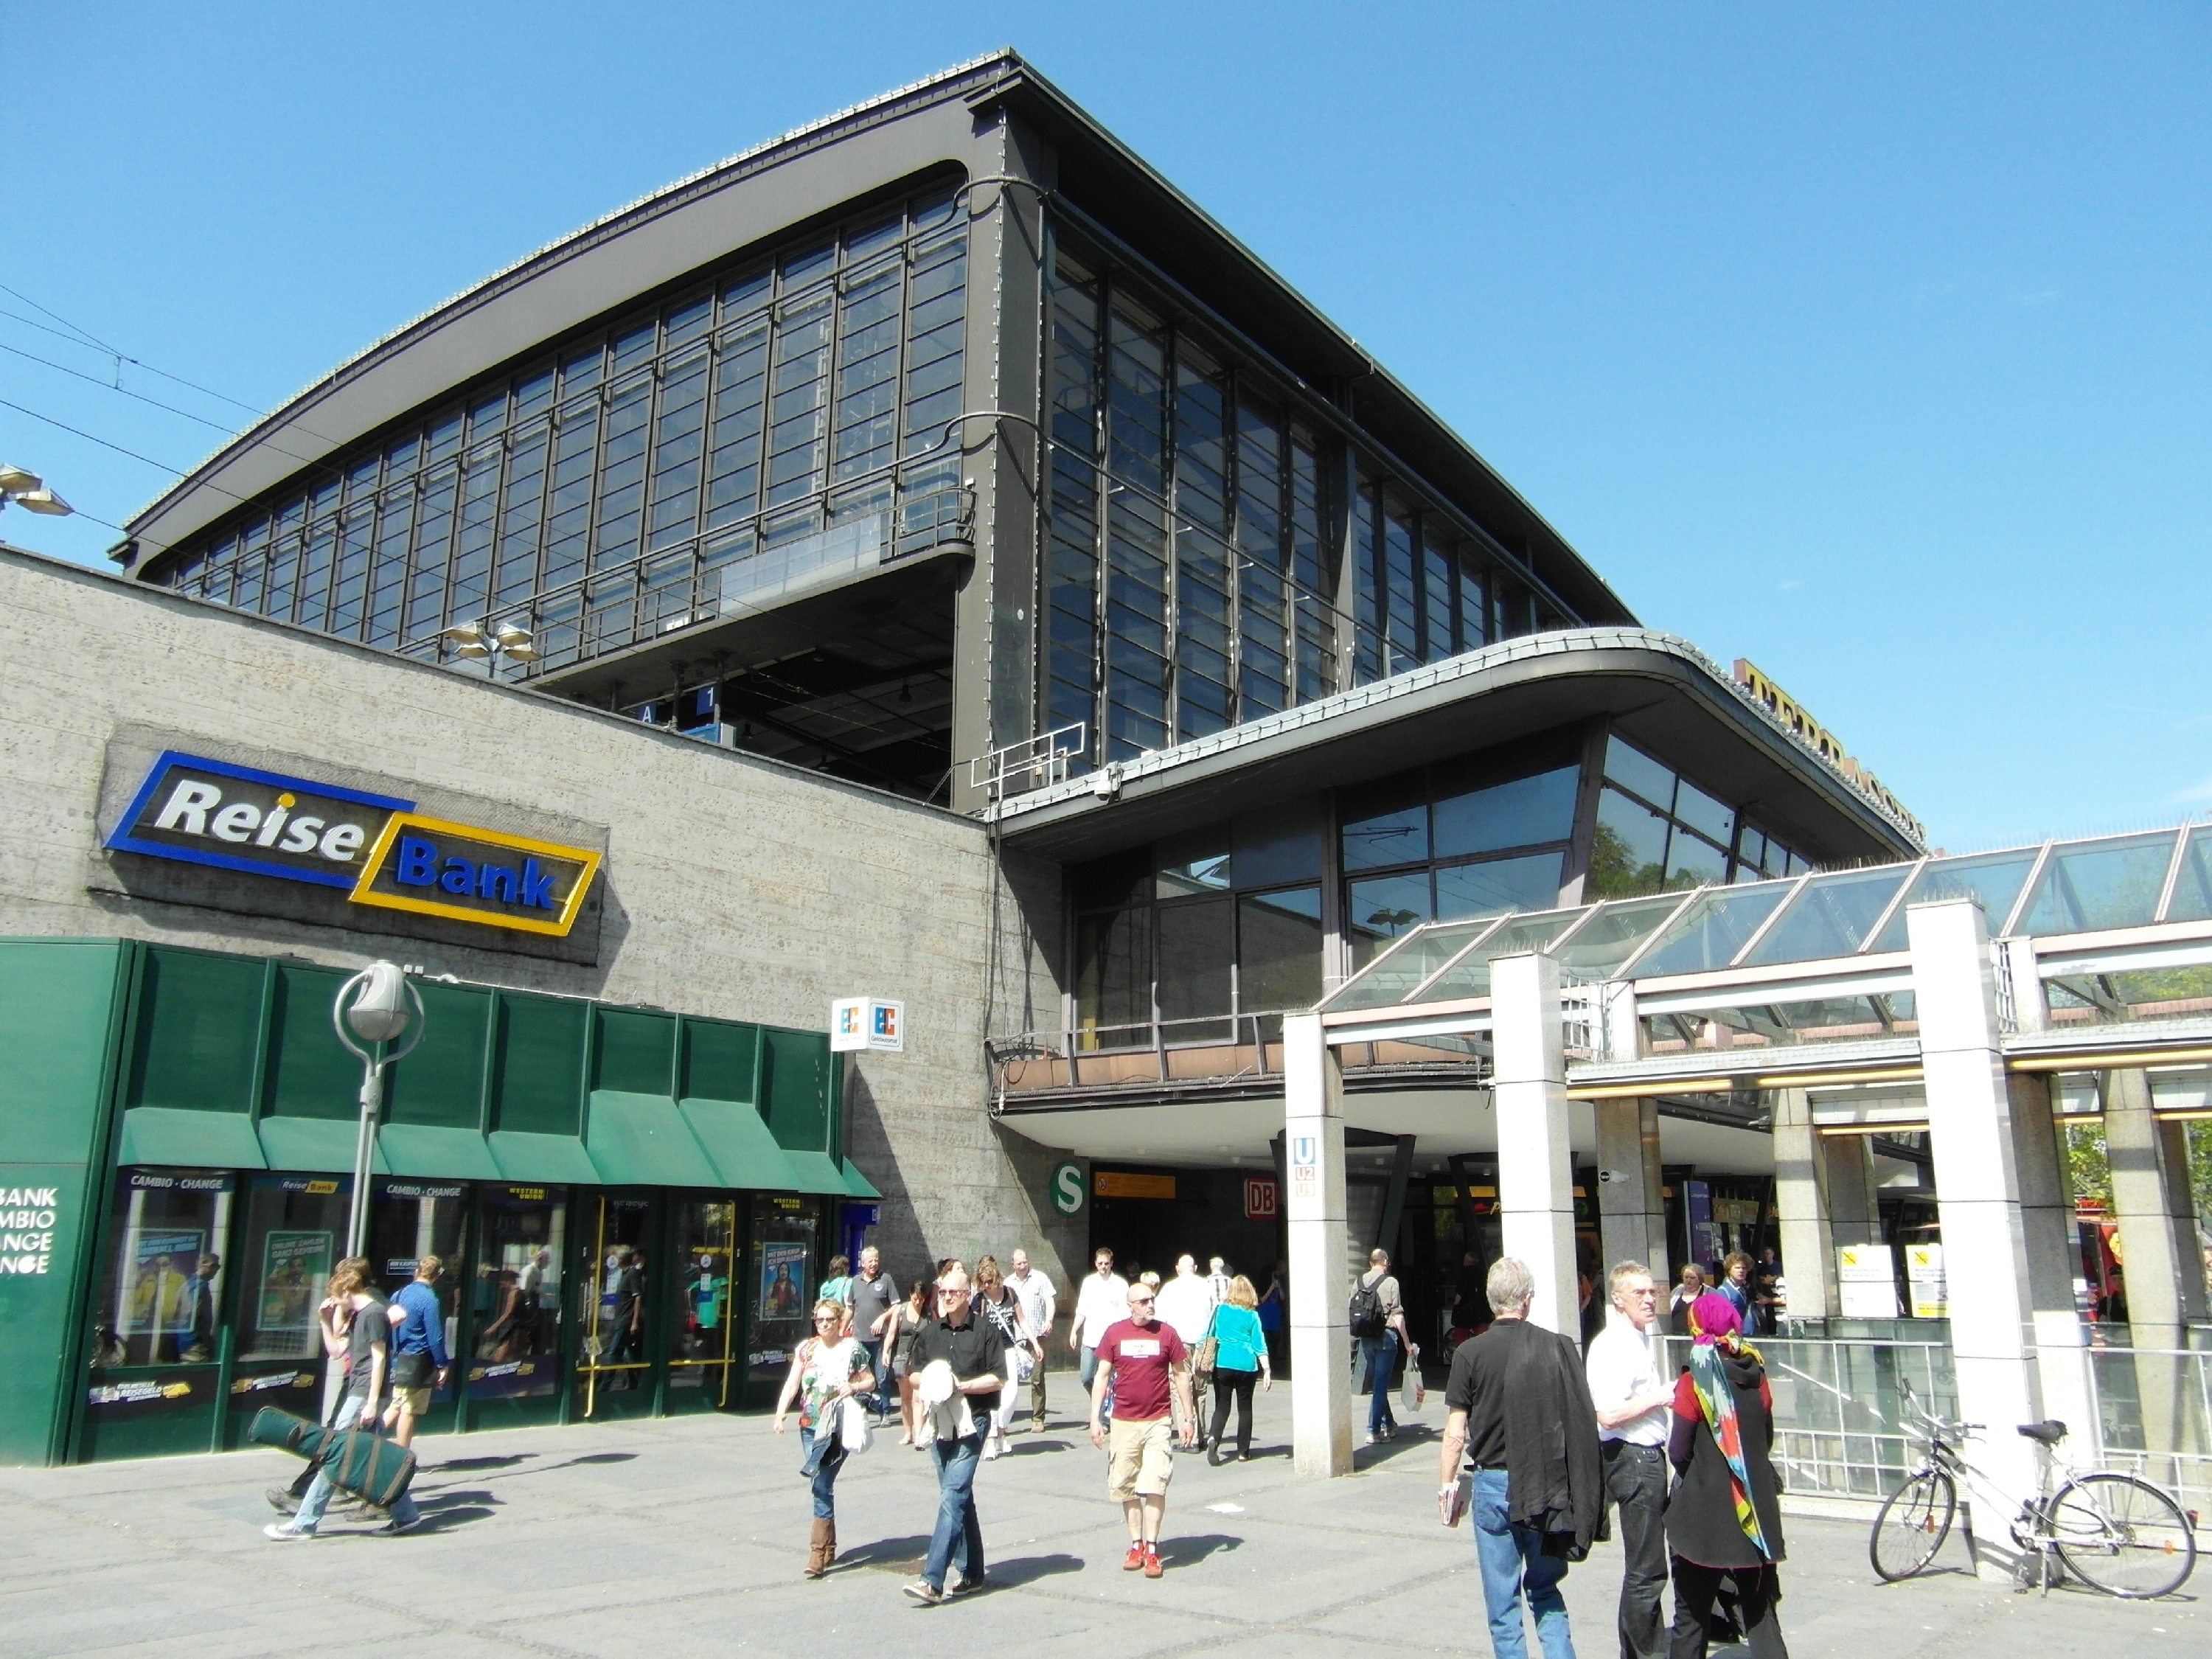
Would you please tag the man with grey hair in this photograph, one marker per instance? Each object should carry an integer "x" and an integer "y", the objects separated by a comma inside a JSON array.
[
  {"x": 970, "y": 1356},
  {"x": 1517, "y": 1406},
  {"x": 1631, "y": 1400}
]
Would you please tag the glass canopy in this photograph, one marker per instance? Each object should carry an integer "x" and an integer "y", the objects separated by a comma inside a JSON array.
[{"x": 2053, "y": 889}]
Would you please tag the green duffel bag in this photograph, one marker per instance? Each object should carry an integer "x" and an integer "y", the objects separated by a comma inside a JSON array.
[{"x": 371, "y": 1467}]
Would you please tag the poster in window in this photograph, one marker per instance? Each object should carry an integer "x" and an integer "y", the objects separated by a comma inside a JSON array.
[
  {"x": 294, "y": 1266},
  {"x": 166, "y": 1259},
  {"x": 783, "y": 1280}
]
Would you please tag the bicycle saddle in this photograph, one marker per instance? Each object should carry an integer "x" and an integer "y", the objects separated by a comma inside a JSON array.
[{"x": 2050, "y": 1432}]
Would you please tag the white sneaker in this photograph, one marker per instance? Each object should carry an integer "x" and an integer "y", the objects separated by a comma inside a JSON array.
[{"x": 283, "y": 1534}]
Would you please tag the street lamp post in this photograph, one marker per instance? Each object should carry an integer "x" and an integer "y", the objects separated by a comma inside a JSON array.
[
  {"x": 385, "y": 1009},
  {"x": 26, "y": 489}
]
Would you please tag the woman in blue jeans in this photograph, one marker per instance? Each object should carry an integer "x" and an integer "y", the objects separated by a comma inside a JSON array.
[{"x": 829, "y": 1367}]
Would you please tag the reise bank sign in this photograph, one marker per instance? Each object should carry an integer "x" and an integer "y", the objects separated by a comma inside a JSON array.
[{"x": 378, "y": 847}]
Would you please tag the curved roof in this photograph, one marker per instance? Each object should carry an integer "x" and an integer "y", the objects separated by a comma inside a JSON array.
[{"x": 776, "y": 186}]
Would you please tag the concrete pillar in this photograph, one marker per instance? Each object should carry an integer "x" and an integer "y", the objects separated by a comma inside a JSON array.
[
  {"x": 1800, "y": 1203},
  {"x": 1314, "y": 1216},
  {"x": 2160, "y": 1264},
  {"x": 2047, "y": 1218},
  {"x": 1631, "y": 1205},
  {"x": 1535, "y": 1177},
  {"x": 1977, "y": 1190},
  {"x": 1854, "y": 1213}
]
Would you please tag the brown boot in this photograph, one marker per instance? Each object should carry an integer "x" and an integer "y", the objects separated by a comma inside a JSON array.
[
  {"x": 820, "y": 1547},
  {"x": 830, "y": 1543}
]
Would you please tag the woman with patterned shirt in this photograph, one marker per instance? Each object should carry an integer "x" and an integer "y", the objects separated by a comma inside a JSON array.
[{"x": 830, "y": 1368}]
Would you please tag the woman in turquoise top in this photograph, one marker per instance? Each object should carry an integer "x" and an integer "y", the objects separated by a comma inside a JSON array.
[{"x": 1239, "y": 1360}]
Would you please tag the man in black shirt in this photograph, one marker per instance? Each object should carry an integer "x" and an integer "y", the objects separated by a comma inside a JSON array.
[
  {"x": 1517, "y": 1404},
  {"x": 972, "y": 1353}
]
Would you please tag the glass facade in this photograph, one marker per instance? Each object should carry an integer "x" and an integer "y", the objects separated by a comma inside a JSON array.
[
  {"x": 691, "y": 460},
  {"x": 1657, "y": 832},
  {"x": 1198, "y": 531}
]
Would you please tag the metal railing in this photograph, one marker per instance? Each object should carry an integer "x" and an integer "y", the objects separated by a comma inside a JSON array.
[
  {"x": 1213, "y": 1049},
  {"x": 2153, "y": 1409}
]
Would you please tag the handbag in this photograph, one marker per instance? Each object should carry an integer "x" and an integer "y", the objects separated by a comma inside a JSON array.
[
  {"x": 1208, "y": 1351},
  {"x": 412, "y": 1371},
  {"x": 855, "y": 1432}
]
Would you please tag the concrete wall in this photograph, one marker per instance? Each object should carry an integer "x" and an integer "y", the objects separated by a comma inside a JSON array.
[{"x": 734, "y": 886}]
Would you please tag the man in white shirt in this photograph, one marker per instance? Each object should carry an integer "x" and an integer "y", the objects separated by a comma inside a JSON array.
[
  {"x": 1186, "y": 1304},
  {"x": 1040, "y": 1302},
  {"x": 1104, "y": 1300},
  {"x": 1216, "y": 1279},
  {"x": 1632, "y": 1399}
]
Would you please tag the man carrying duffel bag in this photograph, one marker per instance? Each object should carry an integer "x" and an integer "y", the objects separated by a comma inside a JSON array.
[{"x": 355, "y": 1457}]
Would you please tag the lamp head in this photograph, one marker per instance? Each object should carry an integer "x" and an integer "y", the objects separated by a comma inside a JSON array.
[
  {"x": 378, "y": 1011},
  {"x": 517, "y": 642}
]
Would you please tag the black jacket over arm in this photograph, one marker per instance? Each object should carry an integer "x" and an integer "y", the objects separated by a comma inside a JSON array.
[{"x": 1553, "y": 1477}]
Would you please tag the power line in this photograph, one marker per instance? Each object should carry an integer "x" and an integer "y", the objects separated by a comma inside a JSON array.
[
  {"x": 84, "y": 338},
  {"x": 156, "y": 403},
  {"x": 174, "y": 472}
]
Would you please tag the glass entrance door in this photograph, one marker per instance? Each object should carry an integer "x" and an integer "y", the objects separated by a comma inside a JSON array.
[
  {"x": 515, "y": 1307},
  {"x": 613, "y": 1303},
  {"x": 703, "y": 1347}
]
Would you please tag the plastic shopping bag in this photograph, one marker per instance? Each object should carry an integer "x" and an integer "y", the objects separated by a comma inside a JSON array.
[
  {"x": 855, "y": 1432},
  {"x": 1413, "y": 1391}
]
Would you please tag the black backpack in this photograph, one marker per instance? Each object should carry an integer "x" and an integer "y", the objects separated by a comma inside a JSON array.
[{"x": 1366, "y": 1311}]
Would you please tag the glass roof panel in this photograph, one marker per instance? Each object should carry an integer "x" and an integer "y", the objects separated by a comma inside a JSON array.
[
  {"x": 1391, "y": 977},
  {"x": 2113, "y": 882},
  {"x": 1713, "y": 929},
  {"x": 1470, "y": 976},
  {"x": 2192, "y": 889},
  {"x": 1831, "y": 917},
  {"x": 1992, "y": 878},
  {"x": 1613, "y": 935}
]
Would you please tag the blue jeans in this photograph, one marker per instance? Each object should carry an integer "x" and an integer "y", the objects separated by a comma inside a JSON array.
[
  {"x": 825, "y": 1456},
  {"x": 319, "y": 1495},
  {"x": 1380, "y": 1354},
  {"x": 876, "y": 1376},
  {"x": 958, "y": 1540},
  {"x": 1513, "y": 1563}
]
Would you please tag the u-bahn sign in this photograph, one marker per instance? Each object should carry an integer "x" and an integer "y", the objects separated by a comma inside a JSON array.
[{"x": 377, "y": 847}]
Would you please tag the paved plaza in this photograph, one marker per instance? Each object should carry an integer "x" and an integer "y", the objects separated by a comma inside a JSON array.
[{"x": 686, "y": 1536}]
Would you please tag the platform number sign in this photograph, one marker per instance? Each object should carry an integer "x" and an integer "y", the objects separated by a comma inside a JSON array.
[
  {"x": 1259, "y": 1198},
  {"x": 1067, "y": 1190}
]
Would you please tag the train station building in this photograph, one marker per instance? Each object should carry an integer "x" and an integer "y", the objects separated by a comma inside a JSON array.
[{"x": 923, "y": 558}]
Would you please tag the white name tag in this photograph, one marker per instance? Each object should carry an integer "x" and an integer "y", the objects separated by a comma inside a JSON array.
[{"x": 1142, "y": 1347}]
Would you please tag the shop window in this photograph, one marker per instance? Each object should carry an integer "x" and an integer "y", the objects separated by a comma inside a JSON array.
[
  {"x": 613, "y": 1359},
  {"x": 162, "y": 1278},
  {"x": 781, "y": 1285},
  {"x": 703, "y": 1349},
  {"x": 294, "y": 1234}
]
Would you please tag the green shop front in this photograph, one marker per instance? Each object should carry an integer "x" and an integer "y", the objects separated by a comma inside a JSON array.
[{"x": 632, "y": 1207}]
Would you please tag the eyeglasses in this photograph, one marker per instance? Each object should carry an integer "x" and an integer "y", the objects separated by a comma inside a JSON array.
[{"x": 946, "y": 1292}]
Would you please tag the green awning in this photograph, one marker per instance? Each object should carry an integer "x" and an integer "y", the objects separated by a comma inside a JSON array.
[
  {"x": 642, "y": 1140},
  {"x": 420, "y": 1149},
  {"x": 189, "y": 1139},
  {"x": 544, "y": 1160},
  {"x": 818, "y": 1172},
  {"x": 311, "y": 1142},
  {"x": 858, "y": 1185},
  {"x": 739, "y": 1144}
]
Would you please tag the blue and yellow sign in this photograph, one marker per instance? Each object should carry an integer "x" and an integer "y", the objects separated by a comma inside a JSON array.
[{"x": 378, "y": 847}]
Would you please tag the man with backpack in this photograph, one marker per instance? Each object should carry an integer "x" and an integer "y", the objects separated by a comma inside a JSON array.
[{"x": 1378, "y": 1325}]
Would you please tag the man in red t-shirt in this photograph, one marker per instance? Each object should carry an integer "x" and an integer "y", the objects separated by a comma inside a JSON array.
[{"x": 1140, "y": 1358}]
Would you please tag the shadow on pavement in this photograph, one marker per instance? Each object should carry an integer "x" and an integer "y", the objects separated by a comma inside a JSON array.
[
  {"x": 444, "y": 1520},
  {"x": 896, "y": 1554},
  {"x": 1028, "y": 1448},
  {"x": 598, "y": 1458},
  {"x": 460, "y": 1465},
  {"x": 1028, "y": 1569},
  {"x": 1189, "y": 1552}
]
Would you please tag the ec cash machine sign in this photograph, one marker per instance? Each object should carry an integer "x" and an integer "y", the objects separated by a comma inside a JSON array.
[{"x": 377, "y": 847}]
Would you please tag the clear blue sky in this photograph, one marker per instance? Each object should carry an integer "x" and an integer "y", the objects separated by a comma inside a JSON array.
[{"x": 1869, "y": 341}]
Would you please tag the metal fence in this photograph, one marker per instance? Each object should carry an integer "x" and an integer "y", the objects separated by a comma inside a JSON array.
[
  {"x": 1840, "y": 1427},
  {"x": 2155, "y": 1417}
]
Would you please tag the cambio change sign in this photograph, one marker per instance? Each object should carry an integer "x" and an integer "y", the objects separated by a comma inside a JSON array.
[{"x": 377, "y": 847}]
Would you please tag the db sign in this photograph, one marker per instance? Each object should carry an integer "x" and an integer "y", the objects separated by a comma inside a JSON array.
[{"x": 1259, "y": 1198}]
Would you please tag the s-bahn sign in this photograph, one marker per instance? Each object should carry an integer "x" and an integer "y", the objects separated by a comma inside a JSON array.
[{"x": 378, "y": 847}]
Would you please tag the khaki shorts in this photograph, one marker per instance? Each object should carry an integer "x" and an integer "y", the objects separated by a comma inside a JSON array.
[
  {"x": 1141, "y": 1458},
  {"x": 414, "y": 1402}
]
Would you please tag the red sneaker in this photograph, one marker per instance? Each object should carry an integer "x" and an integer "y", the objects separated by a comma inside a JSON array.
[
  {"x": 1134, "y": 1559},
  {"x": 1152, "y": 1567}
]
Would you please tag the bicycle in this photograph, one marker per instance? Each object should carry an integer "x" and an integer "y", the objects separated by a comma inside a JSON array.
[{"x": 2117, "y": 1533}]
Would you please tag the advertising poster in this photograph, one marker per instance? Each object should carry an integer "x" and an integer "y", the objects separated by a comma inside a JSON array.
[
  {"x": 1865, "y": 1280},
  {"x": 168, "y": 1257},
  {"x": 783, "y": 1279},
  {"x": 294, "y": 1266},
  {"x": 1923, "y": 1279}
]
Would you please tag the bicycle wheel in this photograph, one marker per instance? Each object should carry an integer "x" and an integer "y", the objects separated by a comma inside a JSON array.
[
  {"x": 2122, "y": 1536},
  {"x": 1913, "y": 1523}
]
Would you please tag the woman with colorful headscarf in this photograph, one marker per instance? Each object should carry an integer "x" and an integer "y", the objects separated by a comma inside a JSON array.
[{"x": 1723, "y": 1522}]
